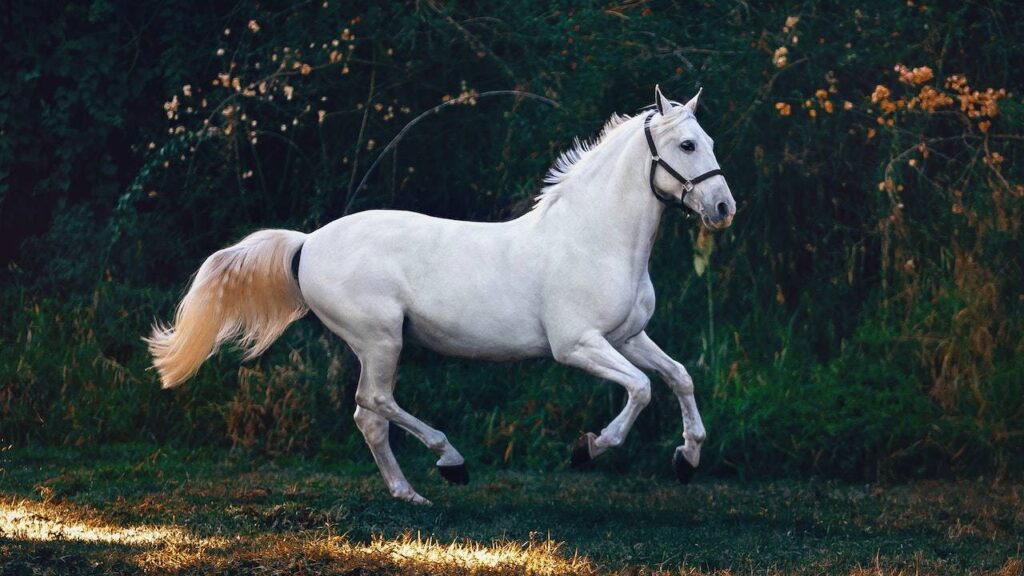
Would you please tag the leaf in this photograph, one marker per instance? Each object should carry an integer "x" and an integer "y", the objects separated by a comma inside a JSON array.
[{"x": 700, "y": 262}]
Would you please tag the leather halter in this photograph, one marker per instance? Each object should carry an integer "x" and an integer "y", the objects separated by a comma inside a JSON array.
[{"x": 656, "y": 161}]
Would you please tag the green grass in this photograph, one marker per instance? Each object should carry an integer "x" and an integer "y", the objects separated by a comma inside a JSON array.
[{"x": 130, "y": 508}]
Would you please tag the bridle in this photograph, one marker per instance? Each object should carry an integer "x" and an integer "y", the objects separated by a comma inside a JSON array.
[{"x": 656, "y": 161}]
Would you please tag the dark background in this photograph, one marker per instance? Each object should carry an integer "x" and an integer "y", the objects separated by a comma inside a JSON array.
[{"x": 862, "y": 318}]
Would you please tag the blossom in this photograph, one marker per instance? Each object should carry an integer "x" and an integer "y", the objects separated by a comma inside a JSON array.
[
  {"x": 914, "y": 77},
  {"x": 781, "y": 57}
]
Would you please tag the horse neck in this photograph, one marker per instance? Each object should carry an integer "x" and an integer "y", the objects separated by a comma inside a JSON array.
[{"x": 606, "y": 202}]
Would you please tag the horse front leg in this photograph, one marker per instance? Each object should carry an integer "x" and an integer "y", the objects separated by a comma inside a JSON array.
[
  {"x": 595, "y": 355},
  {"x": 643, "y": 352}
]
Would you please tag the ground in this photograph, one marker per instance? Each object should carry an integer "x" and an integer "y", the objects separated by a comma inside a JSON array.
[{"x": 132, "y": 509}]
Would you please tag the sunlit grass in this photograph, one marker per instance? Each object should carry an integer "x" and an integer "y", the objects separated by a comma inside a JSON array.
[
  {"x": 43, "y": 523},
  {"x": 535, "y": 557},
  {"x": 175, "y": 548}
]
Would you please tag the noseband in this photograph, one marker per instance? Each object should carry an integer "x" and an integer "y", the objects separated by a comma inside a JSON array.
[{"x": 656, "y": 161}]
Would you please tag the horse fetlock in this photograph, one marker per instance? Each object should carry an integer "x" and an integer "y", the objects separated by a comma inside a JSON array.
[
  {"x": 450, "y": 457},
  {"x": 438, "y": 443},
  {"x": 696, "y": 436},
  {"x": 405, "y": 493},
  {"x": 608, "y": 439},
  {"x": 691, "y": 452}
]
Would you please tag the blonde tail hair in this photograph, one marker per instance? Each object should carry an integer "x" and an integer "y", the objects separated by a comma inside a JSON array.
[{"x": 244, "y": 292}]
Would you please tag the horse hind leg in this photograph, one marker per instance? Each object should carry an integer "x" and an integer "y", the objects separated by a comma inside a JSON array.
[
  {"x": 375, "y": 430},
  {"x": 376, "y": 394}
]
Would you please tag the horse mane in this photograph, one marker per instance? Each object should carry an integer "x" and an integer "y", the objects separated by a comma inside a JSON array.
[{"x": 569, "y": 159}]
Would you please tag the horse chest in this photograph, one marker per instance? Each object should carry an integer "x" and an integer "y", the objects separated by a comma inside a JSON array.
[
  {"x": 615, "y": 302},
  {"x": 637, "y": 316}
]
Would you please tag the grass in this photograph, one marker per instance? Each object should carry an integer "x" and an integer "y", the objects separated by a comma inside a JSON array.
[{"x": 139, "y": 508}]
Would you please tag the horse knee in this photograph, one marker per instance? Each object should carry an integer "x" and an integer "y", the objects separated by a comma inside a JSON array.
[
  {"x": 681, "y": 382},
  {"x": 640, "y": 392}
]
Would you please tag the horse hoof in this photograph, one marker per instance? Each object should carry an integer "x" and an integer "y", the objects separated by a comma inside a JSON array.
[
  {"x": 684, "y": 470},
  {"x": 581, "y": 450},
  {"x": 456, "y": 474}
]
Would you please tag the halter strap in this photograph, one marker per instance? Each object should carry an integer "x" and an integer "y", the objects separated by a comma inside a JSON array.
[{"x": 656, "y": 161}]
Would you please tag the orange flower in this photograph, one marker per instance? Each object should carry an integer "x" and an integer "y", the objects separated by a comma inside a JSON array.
[
  {"x": 781, "y": 57},
  {"x": 914, "y": 77}
]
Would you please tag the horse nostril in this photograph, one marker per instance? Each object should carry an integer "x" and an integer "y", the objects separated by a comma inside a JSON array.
[{"x": 723, "y": 209}]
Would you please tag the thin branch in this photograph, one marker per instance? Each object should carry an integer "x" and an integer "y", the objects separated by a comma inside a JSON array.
[
  {"x": 359, "y": 143},
  {"x": 454, "y": 101}
]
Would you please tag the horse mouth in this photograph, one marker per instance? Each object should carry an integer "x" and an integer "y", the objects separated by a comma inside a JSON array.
[{"x": 712, "y": 224}]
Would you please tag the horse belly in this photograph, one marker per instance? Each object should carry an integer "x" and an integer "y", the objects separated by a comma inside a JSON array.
[{"x": 475, "y": 324}]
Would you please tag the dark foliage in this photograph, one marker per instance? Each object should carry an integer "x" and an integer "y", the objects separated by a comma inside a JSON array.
[{"x": 862, "y": 318}]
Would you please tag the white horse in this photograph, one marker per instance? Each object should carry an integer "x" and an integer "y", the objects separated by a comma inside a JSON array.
[{"x": 568, "y": 280}]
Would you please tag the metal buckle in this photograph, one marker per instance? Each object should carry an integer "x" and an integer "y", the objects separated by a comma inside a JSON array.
[
  {"x": 688, "y": 187},
  {"x": 656, "y": 158}
]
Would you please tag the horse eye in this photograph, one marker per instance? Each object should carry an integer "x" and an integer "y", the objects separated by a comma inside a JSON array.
[{"x": 688, "y": 145}]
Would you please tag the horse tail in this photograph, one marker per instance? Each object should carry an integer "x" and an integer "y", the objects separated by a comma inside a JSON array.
[{"x": 244, "y": 292}]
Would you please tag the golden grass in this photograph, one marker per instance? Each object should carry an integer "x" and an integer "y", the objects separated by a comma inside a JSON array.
[
  {"x": 153, "y": 548},
  {"x": 24, "y": 520}
]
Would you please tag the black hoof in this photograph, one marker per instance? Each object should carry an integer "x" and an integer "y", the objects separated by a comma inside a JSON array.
[
  {"x": 581, "y": 451},
  {"x": 684, "y": 470},
  {"x": 455, "y": 474}
]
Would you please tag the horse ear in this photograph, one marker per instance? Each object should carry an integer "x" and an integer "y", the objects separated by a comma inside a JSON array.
[
  {"x": 660, "y": 101},
  {"x": 692, "y": 104}
]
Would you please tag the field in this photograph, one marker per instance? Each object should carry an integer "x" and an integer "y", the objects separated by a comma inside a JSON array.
[{"x": 139, "y": 508}]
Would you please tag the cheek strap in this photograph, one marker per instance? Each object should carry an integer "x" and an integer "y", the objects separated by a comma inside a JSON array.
[{"x": 688, "y": 184}]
